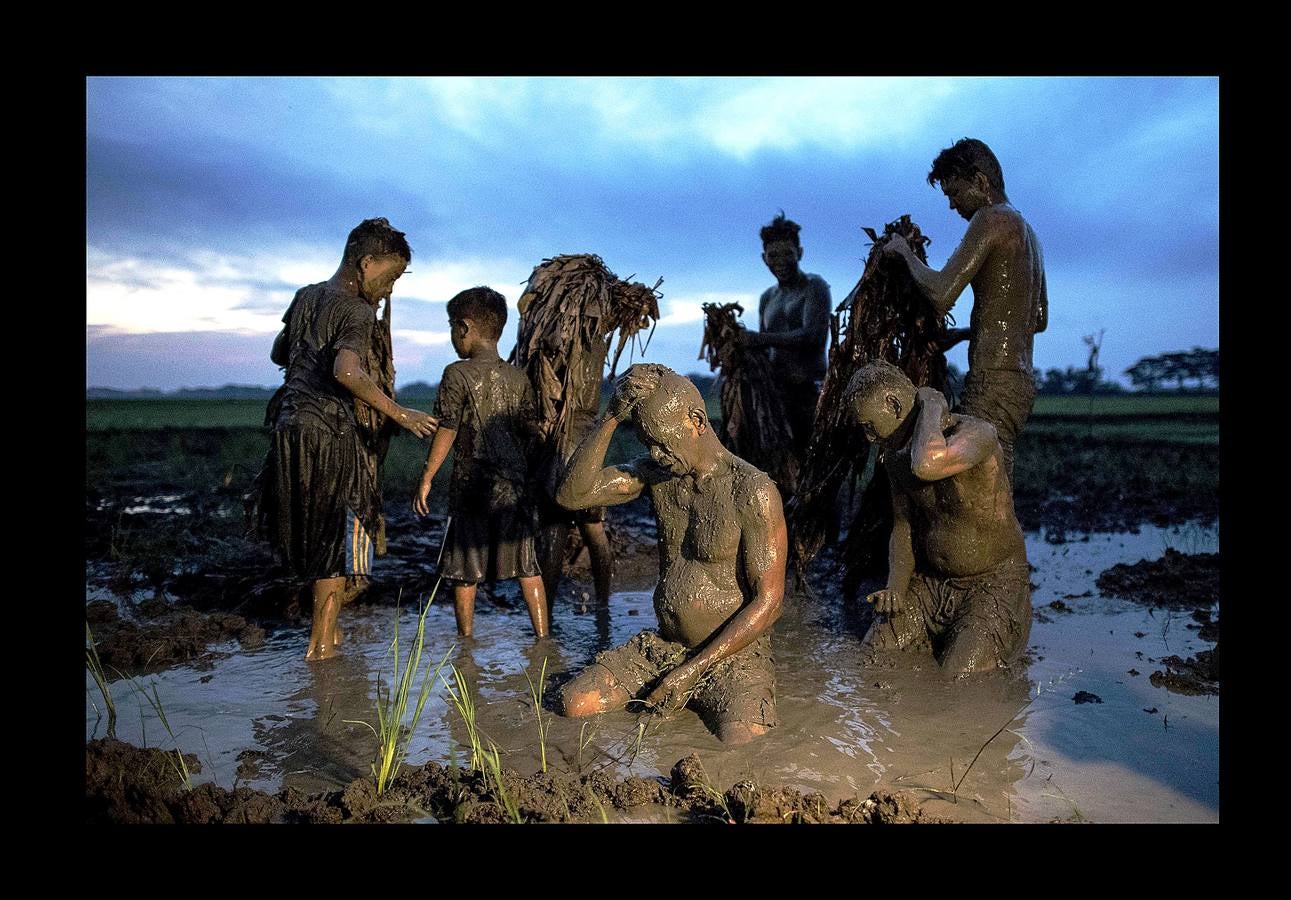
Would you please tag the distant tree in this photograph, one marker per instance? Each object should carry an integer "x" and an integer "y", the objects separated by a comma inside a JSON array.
[{"x": 1199, "y": 365}]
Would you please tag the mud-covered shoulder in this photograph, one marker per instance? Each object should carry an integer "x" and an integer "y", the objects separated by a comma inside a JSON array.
[
  {"x": 1003, "y": 221},
  {"x": 817, "y": 283},
  {"x": 754, "y": 492}
]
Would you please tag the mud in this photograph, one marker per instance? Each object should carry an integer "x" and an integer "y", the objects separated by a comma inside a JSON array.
[
  {"x": 1071, "y": 486},
  {"x": 1194, "y": 676},
  {"x": 128, "y": 785},
  {"x": 275, "y": 724},
  {"x": 1175, "y": 581},
  {"x": 169, "y": 635}
]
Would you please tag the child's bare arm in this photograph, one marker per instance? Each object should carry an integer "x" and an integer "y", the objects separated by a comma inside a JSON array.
[{"x": 439, "y": 448}]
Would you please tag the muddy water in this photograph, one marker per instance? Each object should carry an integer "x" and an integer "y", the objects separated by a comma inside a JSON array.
[{"x": 266, "y": 719}]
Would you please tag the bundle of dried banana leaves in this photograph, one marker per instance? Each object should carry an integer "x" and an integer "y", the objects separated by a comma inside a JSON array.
[
  {"x": 375, "y": 429},
  {"x": 755, "y": 426},
  {"x": 885, "y": 316},
  {"x": 569, "y": 311}
]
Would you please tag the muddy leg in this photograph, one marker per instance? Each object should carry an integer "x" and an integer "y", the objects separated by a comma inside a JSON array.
[
  {"x": 903, "y": 630},
  {"x": 464, "y": 608},
  {"x": 551, "y": 558},
  {"x": 536, "y": 599},
  {"x": 970, "y": 650},
  {"x": 733, "y": 734},
  {"x": 600, "y": 556},
  {"x": 354, "y": 586},
  {"x": 327, "y": 606},
  {"x": 594, "y": 690}
]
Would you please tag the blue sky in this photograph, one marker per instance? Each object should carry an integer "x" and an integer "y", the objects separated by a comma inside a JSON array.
[{"x": 210, "y": 200}]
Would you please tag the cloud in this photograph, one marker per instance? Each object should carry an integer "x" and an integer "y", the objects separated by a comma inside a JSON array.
[
  {"x": 205, "y": 290},
  {"x": 210, "y": 200}
]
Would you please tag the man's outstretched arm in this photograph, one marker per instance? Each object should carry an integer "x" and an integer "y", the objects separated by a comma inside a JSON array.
[
  {"x": 349, "y": 372},
  {"x": 946, "y": 445},
  {"x": 944, "y": 287},
  {"x": 588, "y": 482},
  {"x": 764, "y": 548}
]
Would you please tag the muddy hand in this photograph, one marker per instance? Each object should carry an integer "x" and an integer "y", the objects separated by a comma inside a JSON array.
[
  {"x": 884, "y": 601},
  {"x": 419, "y": 497},
  {"x": 672, "y": 692},
  {"x": 896, "y": 246},
  {"x": 419, "y": 423}
]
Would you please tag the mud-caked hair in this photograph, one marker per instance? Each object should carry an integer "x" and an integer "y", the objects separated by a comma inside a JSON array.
[
  {"x": 375, "y": 237},
  {"x": 780, "y": 229},
  {"x": 963, "y": 159},
  {"x": 644, "y": 381},
  {"x": 483, "y": 306},
  {"x": 876, "y": 375}
]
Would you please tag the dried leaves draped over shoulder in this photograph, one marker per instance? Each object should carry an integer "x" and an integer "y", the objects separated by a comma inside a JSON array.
[
  {"x": 569, "y": 311},
  {"x": 885, "y": 316},
  {"x": 755, "y": 425}
]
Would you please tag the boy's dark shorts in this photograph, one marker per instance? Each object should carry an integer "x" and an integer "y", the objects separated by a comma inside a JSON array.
[
  {"x": 739, "y": 689},
  {"x": 491, "y": 539}
]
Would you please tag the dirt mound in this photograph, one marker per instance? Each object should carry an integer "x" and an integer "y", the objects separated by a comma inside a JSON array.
[
  {"x": 1194, "y": 676},
  {"x": 176, "y": 634},
  {"x": 126, "y": 784},
  {"x": 1176, "y": 580}
]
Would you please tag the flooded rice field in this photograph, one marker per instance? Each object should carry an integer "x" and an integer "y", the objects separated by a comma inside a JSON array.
[{"x": 1076, "y": 732}]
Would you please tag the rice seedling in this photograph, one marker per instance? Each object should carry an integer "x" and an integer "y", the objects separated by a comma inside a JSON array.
[
  {"x": 493, "y": 774},
  {"x": 465, "y": 704},
  {"x": 536, "y": 694},
  {"x": 395, "y": 726},
  {"x": 177, "y": 762},
  {"x": 95, "y": 668}
]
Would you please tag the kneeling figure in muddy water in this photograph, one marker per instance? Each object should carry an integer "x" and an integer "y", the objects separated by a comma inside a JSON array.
[
  {"x": 958, "y": 580},
  {"x": 722, "y": 545}
]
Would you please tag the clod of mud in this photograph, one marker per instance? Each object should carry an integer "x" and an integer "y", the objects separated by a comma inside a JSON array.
[
  {"x": 1176, "y": 580},
  {"x": 1207, "y": 629},
  {"x": 1086, "y": 697},
  {"x": 177, "y": 635},
  {"x": 1194, "y": 676},
  {"x": 126, "y": 784}
]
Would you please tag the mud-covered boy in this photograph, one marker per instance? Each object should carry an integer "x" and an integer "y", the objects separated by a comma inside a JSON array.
[{"x": 487, "y": 414}]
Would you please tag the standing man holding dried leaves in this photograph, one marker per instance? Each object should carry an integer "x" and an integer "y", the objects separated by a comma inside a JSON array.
[
  {"x": 1000, "y": 257},
  {"x": 794, "y": 318},
  {"x": 319, "y": 500}
]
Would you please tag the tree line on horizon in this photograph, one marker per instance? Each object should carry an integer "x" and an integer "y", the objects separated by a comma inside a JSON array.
[{"x": 1185, "y": 371}]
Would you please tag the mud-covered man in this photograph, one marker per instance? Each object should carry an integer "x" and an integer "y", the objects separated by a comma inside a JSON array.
[
  {"x": 1000, "y": 257},
  {"x": 722, "y": 546},
  {"x": 319, "y": 499},
  {"x": 958, "y": 581},
  {"x": 794, "y": 318}
]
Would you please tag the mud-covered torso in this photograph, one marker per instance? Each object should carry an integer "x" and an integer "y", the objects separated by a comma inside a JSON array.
[
  {"x": 784, "y": 309},
  {"x": 490, "y": 404},
  {"x": 699, "y": 535},
  {"x": 321, "y": 322},
  {"x": 1006, "y": 295},
  {"x": 962, "y": 525}
]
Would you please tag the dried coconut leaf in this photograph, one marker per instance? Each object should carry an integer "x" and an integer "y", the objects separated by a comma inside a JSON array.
[{"x": 885, "y": 316}]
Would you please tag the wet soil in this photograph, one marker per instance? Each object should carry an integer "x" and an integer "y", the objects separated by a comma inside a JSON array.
[
  {"x": 1193, "y": 676},
  {"x": 161, "y": 552},
  {"x": 1175, "y": 581},
  {"x": 128, "y": 785},
  {"x": 167, "y": 634},
  {"x": 1072, "y": 486}
]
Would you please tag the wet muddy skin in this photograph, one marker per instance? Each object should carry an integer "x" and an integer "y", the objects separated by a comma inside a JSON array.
[{"x": 1143, "y": 754}]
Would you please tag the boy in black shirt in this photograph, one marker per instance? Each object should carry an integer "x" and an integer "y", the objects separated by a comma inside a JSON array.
[{"x": 487, "y": 415}]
